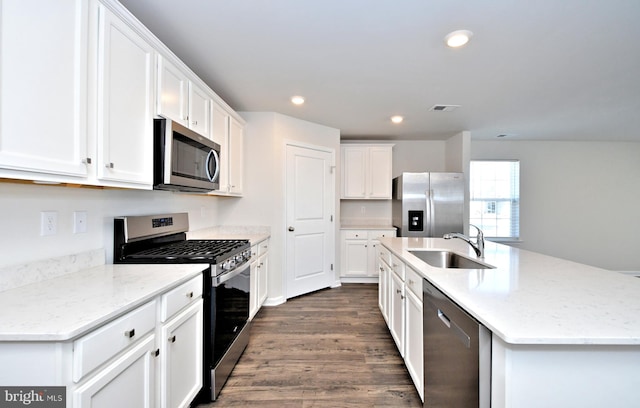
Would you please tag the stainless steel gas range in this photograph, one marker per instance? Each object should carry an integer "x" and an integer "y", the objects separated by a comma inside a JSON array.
[{"x": 162, "y": 239}]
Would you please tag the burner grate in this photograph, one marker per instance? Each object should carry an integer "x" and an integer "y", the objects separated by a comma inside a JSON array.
[{"x": 205, "y": 249}]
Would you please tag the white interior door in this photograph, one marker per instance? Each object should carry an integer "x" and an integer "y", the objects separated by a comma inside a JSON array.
[{"x": 310, "y": 189}]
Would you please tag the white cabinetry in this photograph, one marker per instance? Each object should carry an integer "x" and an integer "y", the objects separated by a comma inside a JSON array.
[
  {"x": 181, "y": 99},
  {"x": 173, "y": 87},
  {"x": 43, "y": 88},
  {"x": 88, "y": 117},
  {"x": 400, "y": 301},
  {"x": 228, "y": 132},
  {"x": 127, "y": 381},
  {"x": 359, "y": 251},
  {"x": 259, "y": 276},
  {"x": 149, "y": 357},
  {"x": 181, "y": 357},
  {"x": 125, "y": 96},
  {"x": 366, "y": 171},
  {"x": 397, "y": 310},
  {"x": 413, "y": 344}
]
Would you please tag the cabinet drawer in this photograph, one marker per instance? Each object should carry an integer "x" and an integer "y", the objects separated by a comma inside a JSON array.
[
  {"x": 413, "y": 281},
  {"x": 263, "y": 247},
  {"x": 397, "y": 266},
  {"x": 384, "y": 254},
  {"x": 354, "y": 234},
  {"x": 102, "y": 344},
  {"x": 375, "y": 234},
  {"x": 179, "y": 298}
]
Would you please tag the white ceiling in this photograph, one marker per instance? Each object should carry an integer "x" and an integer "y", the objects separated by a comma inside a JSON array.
[{"x": 534, "y": 69}]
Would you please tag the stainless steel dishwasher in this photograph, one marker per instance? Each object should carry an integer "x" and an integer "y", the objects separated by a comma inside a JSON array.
[{"x": 457, "y": 354}]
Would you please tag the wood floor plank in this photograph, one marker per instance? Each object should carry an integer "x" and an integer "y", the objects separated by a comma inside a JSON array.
[{"x": 330, "y": 348}]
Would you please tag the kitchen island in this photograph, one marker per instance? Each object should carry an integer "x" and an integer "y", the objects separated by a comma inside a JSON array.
[{"x": 563, "y": 334}]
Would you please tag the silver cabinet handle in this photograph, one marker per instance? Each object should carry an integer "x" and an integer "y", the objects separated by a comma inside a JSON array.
[
  {"x": 172, "y": 339},
  {"x": 190, "y": 295},
  {"x": 130, "y": 333},
  {"x": 109, "y": 166},
  {"x": 87, "y": 160},
  {"x": 291, "y": 229}
]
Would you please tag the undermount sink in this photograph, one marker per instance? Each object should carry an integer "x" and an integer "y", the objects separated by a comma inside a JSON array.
[{"x": 447, "y": 259}]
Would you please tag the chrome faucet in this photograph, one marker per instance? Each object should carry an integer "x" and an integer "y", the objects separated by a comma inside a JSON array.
[{"x": 478, "y": 247}]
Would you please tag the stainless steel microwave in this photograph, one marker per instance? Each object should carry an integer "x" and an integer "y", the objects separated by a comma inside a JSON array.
[{"x": 184, "y": 160}]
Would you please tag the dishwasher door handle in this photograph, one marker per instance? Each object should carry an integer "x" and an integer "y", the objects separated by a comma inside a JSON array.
[
  {"x": 444, "y": 318},
  {"x": 457, "y": 331}
]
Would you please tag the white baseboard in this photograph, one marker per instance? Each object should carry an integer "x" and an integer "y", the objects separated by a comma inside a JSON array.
[{"x": 360, "y": 280}]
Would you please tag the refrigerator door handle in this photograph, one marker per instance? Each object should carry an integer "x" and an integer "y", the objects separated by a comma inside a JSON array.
[{"x": 431, "y": 213}]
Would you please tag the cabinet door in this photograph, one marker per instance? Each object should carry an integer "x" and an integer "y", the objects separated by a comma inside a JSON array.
[
  {"x": 354, "y": 172},
  {"x": 396, "y": 311},
  {"x": 383, "y": 290},
  {"x": 253, "y": 293},
  {"x": 43, "y": 86},
  {"x": 263, "y": 268},
  {"x": 199, "y": 110},
  {"x": 126, "y": 382},
  {"x": 356, "y": 255},
  {"x": 236, "y": 143},
  {"x": 181, "y": 358},
  {"x": 219, "y": 125},
  {"x": 379, "y": 170},
  {"x": 125, "y": 102},
  {"x": 172, "y": 92},
  {"x": 413, "y": 341}
]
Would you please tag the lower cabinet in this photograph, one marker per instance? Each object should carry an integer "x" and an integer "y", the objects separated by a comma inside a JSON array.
[
  {"x": 149, "y": 357},
  {"x": 181, "y": 358},
  {"x": 259, "y": 276},
  {"x": 126, "y": 382},
  {"x": 359, "y": 251},
  {"x": 400, "y": 302},
  {"x": 413, "y": 344}
]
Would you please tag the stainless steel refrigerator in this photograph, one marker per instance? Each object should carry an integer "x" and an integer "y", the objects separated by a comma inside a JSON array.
[{"x": 428, "y": 204}]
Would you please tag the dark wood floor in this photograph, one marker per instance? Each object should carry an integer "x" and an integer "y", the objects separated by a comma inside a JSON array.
[{"x": 330, "y": 348}]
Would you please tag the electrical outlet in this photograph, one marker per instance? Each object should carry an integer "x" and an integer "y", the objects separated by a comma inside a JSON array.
[
  {"x": 79, "y": 222},
  {"x": 48, "y": 223}
]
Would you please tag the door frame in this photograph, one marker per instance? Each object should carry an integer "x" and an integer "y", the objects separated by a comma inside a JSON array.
[{"x": 335, "y": 210}]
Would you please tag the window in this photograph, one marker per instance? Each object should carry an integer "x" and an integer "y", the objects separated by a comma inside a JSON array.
[{"x": 495, "y": 198}]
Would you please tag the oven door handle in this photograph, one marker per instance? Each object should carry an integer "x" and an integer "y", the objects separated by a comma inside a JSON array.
[{"x": 223, "y": 277}]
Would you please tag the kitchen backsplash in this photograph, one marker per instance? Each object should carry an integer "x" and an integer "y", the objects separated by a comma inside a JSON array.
[{"x": 24, "y": 274}]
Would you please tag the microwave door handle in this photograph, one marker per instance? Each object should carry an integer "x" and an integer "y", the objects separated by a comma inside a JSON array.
[
  {"x": 216, "y": 173},
  {"x": 212, "y": 155}
]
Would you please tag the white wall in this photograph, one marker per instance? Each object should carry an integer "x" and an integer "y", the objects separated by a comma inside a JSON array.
[
  {"x": 21, "y": 204},
  {"x": 263, "y": 203},
  {"x": 579, "y": 200}
]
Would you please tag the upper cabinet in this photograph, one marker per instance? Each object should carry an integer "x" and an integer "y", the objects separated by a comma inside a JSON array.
[
  {"x": 181, "y": 99},
  {"x": 173, "y": 86},
  {"x": 125, "y": 98},
  {"x": 80, "y": 84},
  {"x": 366, "y": 171},
  {"x": 43, "y": 87}
]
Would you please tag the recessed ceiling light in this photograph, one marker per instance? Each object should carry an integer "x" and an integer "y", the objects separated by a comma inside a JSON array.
[
  {"x": 397, "y": 119},
  {"x": 458, "y": 38},
  {"x": 297, "y": 100}
]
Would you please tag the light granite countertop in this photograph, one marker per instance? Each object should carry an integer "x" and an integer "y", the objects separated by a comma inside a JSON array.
[
  {"x": 530, "y": 298},
  {"x": 253, "y": 234},
  {"x": 65, "y": 307}
]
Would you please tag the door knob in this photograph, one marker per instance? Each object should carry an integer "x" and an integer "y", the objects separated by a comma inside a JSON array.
[{"x": 291, "y": 229}]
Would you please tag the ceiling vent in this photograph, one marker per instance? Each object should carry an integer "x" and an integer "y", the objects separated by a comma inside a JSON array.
[{"x": 444, "y": 108}]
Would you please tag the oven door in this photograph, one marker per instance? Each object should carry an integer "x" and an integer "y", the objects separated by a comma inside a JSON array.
[{"x": 229, "y": 309}]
